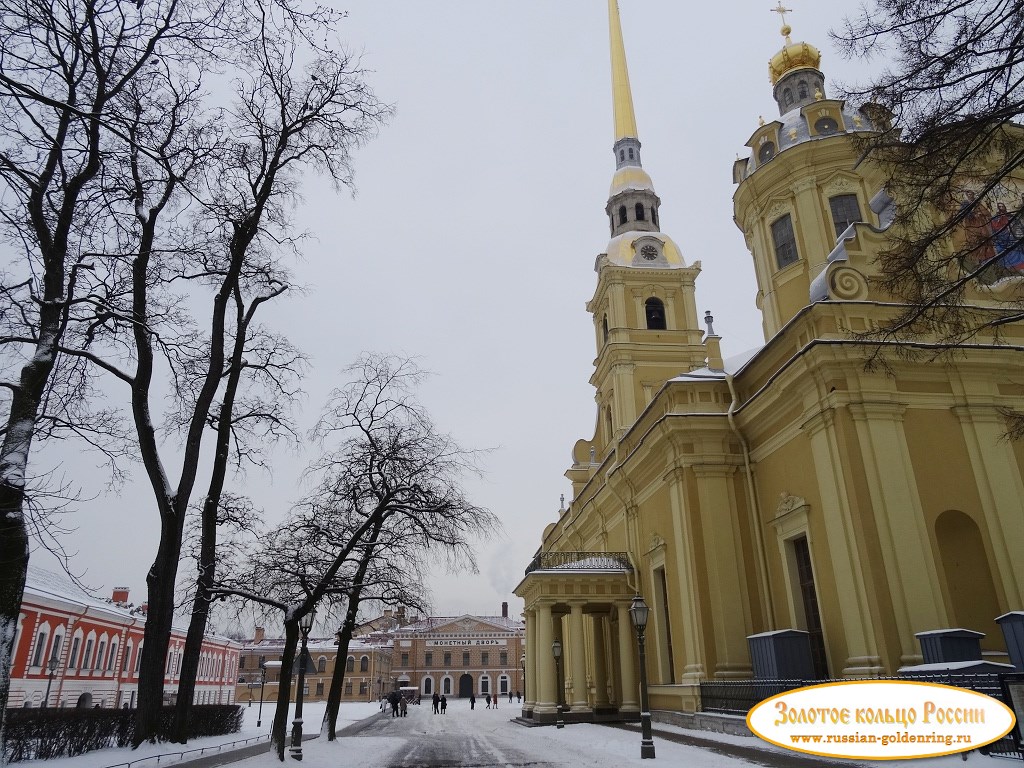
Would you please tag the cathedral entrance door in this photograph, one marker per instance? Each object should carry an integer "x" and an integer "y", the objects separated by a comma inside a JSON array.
[{"x": 465, "y": 686}]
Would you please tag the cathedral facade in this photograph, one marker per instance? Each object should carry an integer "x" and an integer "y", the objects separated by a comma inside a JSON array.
[{"x": 790, "y": 488}]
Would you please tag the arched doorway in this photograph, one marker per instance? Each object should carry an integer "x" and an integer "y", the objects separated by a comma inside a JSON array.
[
  {"x": 465, "y": 686},
  {"x": 84, "y": 701},
  {"x": 969, "y": 584}
]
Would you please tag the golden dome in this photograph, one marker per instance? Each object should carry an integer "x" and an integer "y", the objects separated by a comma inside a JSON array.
[
  {"x": 792, "y": 56},
  {"x": 630, "y": 177},
  {"x": 623, "y": 251}
]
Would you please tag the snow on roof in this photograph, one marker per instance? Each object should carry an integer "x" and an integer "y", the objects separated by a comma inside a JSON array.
[
  {"x": 943, "y": 666},
  {"x": 732, "y": 365},
  {"x": 431, "y": 623}
]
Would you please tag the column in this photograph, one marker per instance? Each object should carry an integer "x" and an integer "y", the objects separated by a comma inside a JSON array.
[
  {"x": 627, "y": 662},
  {"x": 730, "y": 613},
  {"x": 847, "y": 570},
  {"x": 899, "y": 521},
  {"x": 600, "y": 668},
  {"x": 543, "y": 662},
  {"x": 579, "y": 658},
  {"x": 685, "y": 540},
  {"x": 530, "y": 682}
]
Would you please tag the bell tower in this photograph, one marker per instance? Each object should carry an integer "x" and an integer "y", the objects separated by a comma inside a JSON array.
[{"x": 645, "y": 315}]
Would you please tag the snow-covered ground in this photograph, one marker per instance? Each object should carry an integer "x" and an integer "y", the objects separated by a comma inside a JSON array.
[{"x": 490, "y": 737}]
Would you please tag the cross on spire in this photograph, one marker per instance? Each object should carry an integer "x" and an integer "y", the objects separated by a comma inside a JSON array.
[{"x": 782, "y": 11}]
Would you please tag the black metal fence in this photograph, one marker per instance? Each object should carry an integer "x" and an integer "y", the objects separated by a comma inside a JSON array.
[
  {"x": 738, "y": 697},
  {"x": 582, "y": 561}
]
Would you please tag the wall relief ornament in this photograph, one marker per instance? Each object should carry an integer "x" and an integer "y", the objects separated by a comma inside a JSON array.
[
  {"x": 847, "y": 284},
  {"x": 789, "y": 503},
  {"x": 657, "y": 542}
]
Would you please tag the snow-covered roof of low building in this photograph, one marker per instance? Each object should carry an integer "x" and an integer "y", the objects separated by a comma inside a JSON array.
[{"x": 431, "y": 623}]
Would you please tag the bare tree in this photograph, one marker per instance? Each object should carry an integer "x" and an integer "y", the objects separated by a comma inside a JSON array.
[
  {"x": 65, "y": 70},
  {"x": 952, "y": 91},
  {"x": 386, "y": 477}
]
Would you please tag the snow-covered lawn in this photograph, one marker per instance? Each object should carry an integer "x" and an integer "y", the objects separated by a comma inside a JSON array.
[{"x": 591, "y": 746}]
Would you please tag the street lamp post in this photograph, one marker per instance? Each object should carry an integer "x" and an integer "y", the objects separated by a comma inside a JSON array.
[
  {"x": 556, "y": 649},
  {"x": 52, "y": 667},
  {"x": 305, "y": 624},
  {"x": 638, "y": 611},
  {"x": 263, "y": 682}
]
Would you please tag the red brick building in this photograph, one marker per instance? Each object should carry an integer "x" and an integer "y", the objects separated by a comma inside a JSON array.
[{"x": 73, "y": 649}]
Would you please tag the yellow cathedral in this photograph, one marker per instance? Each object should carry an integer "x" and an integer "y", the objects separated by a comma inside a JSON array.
[{"x": 789, "y": 507}]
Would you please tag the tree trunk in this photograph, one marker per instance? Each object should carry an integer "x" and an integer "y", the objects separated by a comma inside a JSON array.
[
  {"x": 159, "y": 618},
  {"x": 338, "y": 676},
  {"x": 208, "y": 543},
  {"x": 14, "y": 557},
  {"x": 279, "y": 731}
]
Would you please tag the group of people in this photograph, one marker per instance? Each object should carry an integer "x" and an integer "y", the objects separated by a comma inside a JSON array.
[
  {"x": 400, "y": 705},
  {"x": 440, "y": 703},
  {"x": 992, "y": 238}
]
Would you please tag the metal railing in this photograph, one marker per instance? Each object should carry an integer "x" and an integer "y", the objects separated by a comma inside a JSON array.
[
  {"x": 737, "y": 697},
  {"x": 201, "y": 750},
  {"x": 580, "y": 561}
]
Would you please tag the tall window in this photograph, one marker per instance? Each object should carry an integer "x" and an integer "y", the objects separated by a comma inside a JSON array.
[
  {"x": 787, "y": 97},
  {"x": 809, "y": 598},
  {"x": 362, "y": 688},
  {"x": 640, "y": 212},
  {"x": 622, "y": 214},
  {"x": 364, "y": 664},
  {"x": 503, "y": 658},
  {"x": 428, "y": 686},
  {"x": 604, "y": 328},
  {"x": 319, "y": 687},
  {"x": 465, "y": 658},
  {"x": 348, "y": 688},
  {"x": 112, "y": 657},
  {"x": 37, "y": 657},
  {"x": 99, "y": 654},
  {"x": 654, "y": 215},
  {"x": 241, "y": 662},
  {"x": 405, "y": 659},
  {"x": 321, "y": 664},
  {"x": 485, "y": 658},
  {"x": 447, "y": 658},
  {"x": 73, "y": 657},
  {"x": 350, "y": 664},
  {"x": 802, "y": 89},
  {"x": 784, "y": 241},
  {"x": 845, "y": 211},
  {"x": 655, "y": 312},
  {"x": 87, "y": 656},
  {"x": 428, "y": 659}
]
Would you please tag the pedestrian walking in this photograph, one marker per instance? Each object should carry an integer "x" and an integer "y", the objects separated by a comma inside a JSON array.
[
  {"x": 404, "y": 706},
  {"x": 494, "y": 699},
  {"x": 383, "y": 703},
  {"x": 472, "y": 701},
  {"x": 487, "y": 698},
  {"x": 444, "y": 703},
  {"x": 393, "y": 700},
  {"x": 509, "y": 695},
  {"x": 437, "y": 702},
  {"x": 519, "y": 697}
]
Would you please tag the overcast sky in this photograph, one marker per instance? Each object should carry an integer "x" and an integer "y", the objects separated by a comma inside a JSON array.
[{"x": 472, "y": 237}]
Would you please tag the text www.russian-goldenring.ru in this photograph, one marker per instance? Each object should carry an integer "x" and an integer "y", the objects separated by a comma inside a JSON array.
[{"x": 885, "y": 740}]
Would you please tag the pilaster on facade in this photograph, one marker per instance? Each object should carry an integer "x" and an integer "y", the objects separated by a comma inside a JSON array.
[
  {"x": 909, "y": 564},
  {"x": 1001, "y": 490},
  {"x": 686, "y": 542},
  {"x": 844, "y": 552}
]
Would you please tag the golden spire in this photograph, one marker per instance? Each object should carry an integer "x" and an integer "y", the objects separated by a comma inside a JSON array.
[
  {"x": 786, "y": 29},
  {"x": 622, "y": 97}
]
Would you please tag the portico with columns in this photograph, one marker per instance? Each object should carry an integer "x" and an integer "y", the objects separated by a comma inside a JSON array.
[{"x": 584, "y": 605}]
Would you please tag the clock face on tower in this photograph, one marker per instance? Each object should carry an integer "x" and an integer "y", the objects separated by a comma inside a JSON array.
[{"x": 649, "y": 252}]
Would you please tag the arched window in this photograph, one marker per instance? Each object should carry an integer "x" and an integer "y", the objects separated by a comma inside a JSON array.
[
  {"x": 622, "y": 214},
  {"x": 364, "y": 664},
  {"x": 845, "y": 211},
  {"x": 350, "y": 664},
  {"x": 138, "y": 658},
  {"x": 112, "y": 657},
  {"x": 76, "y": 645},
  {"x": 87, "y": 654},
  {"x": 428, "y": 686},
  {"x": 100, "y": 650},
  {"x": 785, "y": 241},
  {"x": 654, "y": 216},
  {"x": 321, "y": 664},
  {"x": 56, "y": 645},
  {"x": 630, "y": 153},
  {"x": 622, "y": 155},
  {"x": 640, "y": 212},
  {"x": 802, "y": 89},
  {"x": 127, "y": 656},
  {"x": 655, "y": 312},
  {"x": 604, "y": 328},
  {"x": 787, "y": 97},
  {"x": 39, "y": 654},
  {"x": 611, "y": 223}
]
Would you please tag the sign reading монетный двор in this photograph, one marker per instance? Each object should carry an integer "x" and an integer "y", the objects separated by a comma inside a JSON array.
[
  {"x": 468, "y": 641},
  {"x": 888, "y": 720}
]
